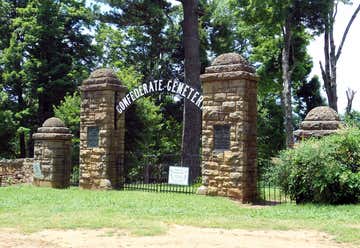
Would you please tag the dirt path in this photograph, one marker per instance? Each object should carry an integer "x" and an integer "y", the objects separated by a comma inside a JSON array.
[{"x": 176, "y": 237}]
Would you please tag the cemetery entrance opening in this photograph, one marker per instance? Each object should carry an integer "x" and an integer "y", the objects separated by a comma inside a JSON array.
[{"x": 162, "y": 173}]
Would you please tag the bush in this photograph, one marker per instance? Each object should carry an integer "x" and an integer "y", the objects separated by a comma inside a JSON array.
[{"x": 325, "y": 170}]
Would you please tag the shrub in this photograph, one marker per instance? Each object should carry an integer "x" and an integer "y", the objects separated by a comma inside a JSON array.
[{"x": 325, "y": 170}]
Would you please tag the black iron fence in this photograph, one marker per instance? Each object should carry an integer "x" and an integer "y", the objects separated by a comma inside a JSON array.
[
  {"x": 271, "y": 194},
  {"x": 151, "y": 173},
  {"x": 269, "y": 190},
  {"x": 163, "y": 173}
]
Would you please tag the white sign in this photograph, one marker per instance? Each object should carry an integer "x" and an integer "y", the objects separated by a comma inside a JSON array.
[{"x": 178, "y": 175}]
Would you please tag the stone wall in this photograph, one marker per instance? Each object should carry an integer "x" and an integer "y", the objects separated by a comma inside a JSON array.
[
  {"x": 230, "y": 98},
  {"x": 16, "y": 171},
  {"x": 102, "y": 132}
]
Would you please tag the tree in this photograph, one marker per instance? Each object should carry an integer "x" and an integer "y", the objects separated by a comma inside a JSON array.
[
  {"x": 308, "y": 96},
  {"x": 332, "y": 54},
  {"x": 284, "y": 26},
  {"x": 8, "y": 13},
  {"x": 47, "y": 56},
  {"x": 350, "y": 94},
  {"x": 156, "y": 50},
  {"x": 152, "y": 34},
  {"x": 192, "y": 116}
]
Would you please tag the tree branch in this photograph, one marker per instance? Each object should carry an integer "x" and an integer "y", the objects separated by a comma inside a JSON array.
[
  {"x": 350, "y": 97},
  {"x": 346, "y": 31},
  {"x": 335, "y": 11}
]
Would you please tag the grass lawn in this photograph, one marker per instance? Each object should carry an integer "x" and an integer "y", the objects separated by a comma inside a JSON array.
[{"x": 30, "y": 209}]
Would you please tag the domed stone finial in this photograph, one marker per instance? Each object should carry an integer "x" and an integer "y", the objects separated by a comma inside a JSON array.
[
  {"x": 229, "y": 59},
  {"x": 322, "y": 113},
  {"x": 231, "y": 66},
  {"x": 102, "y": 77},
  {"x": 320, "y": 121},
  {"x": 53, "y": 122},
  {"x": 103, "y": 72},
  {"x": 53, "y": 126}
]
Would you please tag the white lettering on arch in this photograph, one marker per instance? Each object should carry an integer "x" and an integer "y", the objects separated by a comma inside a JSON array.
[{"x": 182, "y": 89}]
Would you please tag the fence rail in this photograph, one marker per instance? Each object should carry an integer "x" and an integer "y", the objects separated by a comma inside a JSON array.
[
  {"x": 271, "y": 194},
  {"x": 151, "y": 172}
]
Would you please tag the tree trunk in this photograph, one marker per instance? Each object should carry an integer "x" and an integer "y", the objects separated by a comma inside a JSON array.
[
  {"x": 286, "y": 91},
  {"x": 192, "y": 115},
  {"x": 22, "y": 145},
  {"x": 330, "y": 62},
  {"x": 332, "y": 55},
  {"x": 350, "y": 94}
]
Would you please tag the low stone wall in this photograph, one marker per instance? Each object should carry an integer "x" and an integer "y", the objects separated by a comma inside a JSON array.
[{"x": 16, "y": 171}]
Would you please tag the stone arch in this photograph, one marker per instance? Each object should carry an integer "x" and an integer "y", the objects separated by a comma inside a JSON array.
[
  {"x": 171, "y": 87},
  {"x": 228, "y": 129}
]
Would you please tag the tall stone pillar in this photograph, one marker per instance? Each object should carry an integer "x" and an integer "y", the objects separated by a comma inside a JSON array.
[
  {"x": 52, "y": 154},
  {"x": 229, "y": 128},
  {"x": 102, "y": 132}
]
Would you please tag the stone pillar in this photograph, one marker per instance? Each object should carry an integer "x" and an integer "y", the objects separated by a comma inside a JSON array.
[
  {"x": 52, "y": 155},
  {"x": 229, "y": 128},
  {"x": 102, "y": 132}
]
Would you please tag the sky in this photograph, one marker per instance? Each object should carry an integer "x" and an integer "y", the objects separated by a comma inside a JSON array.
[{"x": 348, "y": 63}]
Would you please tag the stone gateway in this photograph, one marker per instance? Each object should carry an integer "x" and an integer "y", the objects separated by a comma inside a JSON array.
[{"x": 228, "y": 102}]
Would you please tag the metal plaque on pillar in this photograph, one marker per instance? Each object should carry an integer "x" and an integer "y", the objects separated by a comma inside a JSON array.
[
  {"x": 93, "y": 137},
  {"x": 222, "y": 137}
]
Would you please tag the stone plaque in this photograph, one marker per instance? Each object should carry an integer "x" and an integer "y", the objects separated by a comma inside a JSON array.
[
  {"x": 37, "y": 171},
  {"x": 92, "y": 136},
  {"x": 222, "y": 137}
]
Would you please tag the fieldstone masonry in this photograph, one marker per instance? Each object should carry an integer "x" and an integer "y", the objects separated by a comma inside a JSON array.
[
  {"x": 16, "y": 171},
  {"x": 102, "y": 132},
  {"x": 230, "y": 98},
  {"x": 52, "y": 154}
]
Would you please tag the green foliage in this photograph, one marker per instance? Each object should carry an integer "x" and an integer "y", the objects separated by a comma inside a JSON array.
[
  {"x": 45, "y": 53},
  {"x": 352, "y": 119},
  {"x": 69, "y": 112},
  {"x": 308, "y": 96},
  {"x": 153, "y": 36},
  {"x": 325, "y": 170},
  {"x": 7, "y": 128},
  {"x": 270, "y": 137}
]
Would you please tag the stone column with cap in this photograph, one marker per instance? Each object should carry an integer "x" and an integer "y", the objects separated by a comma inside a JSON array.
[
  {"x": 229, "y": 129},
  {"x": 319, "y": 122},
  {"x": 102, "y": 131},
  {"x": 52, "y": 154}
]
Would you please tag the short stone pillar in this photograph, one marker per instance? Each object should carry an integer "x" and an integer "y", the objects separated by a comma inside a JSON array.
[
  {"x": 319, "y": 122},
  {"x": 102, "y": 132},
  {"x": 229, "y": 165},
  {"x": 52, "y": 155}
]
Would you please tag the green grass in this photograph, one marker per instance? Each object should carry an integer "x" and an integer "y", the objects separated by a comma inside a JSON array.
[{"x": 30, "y": 209}]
